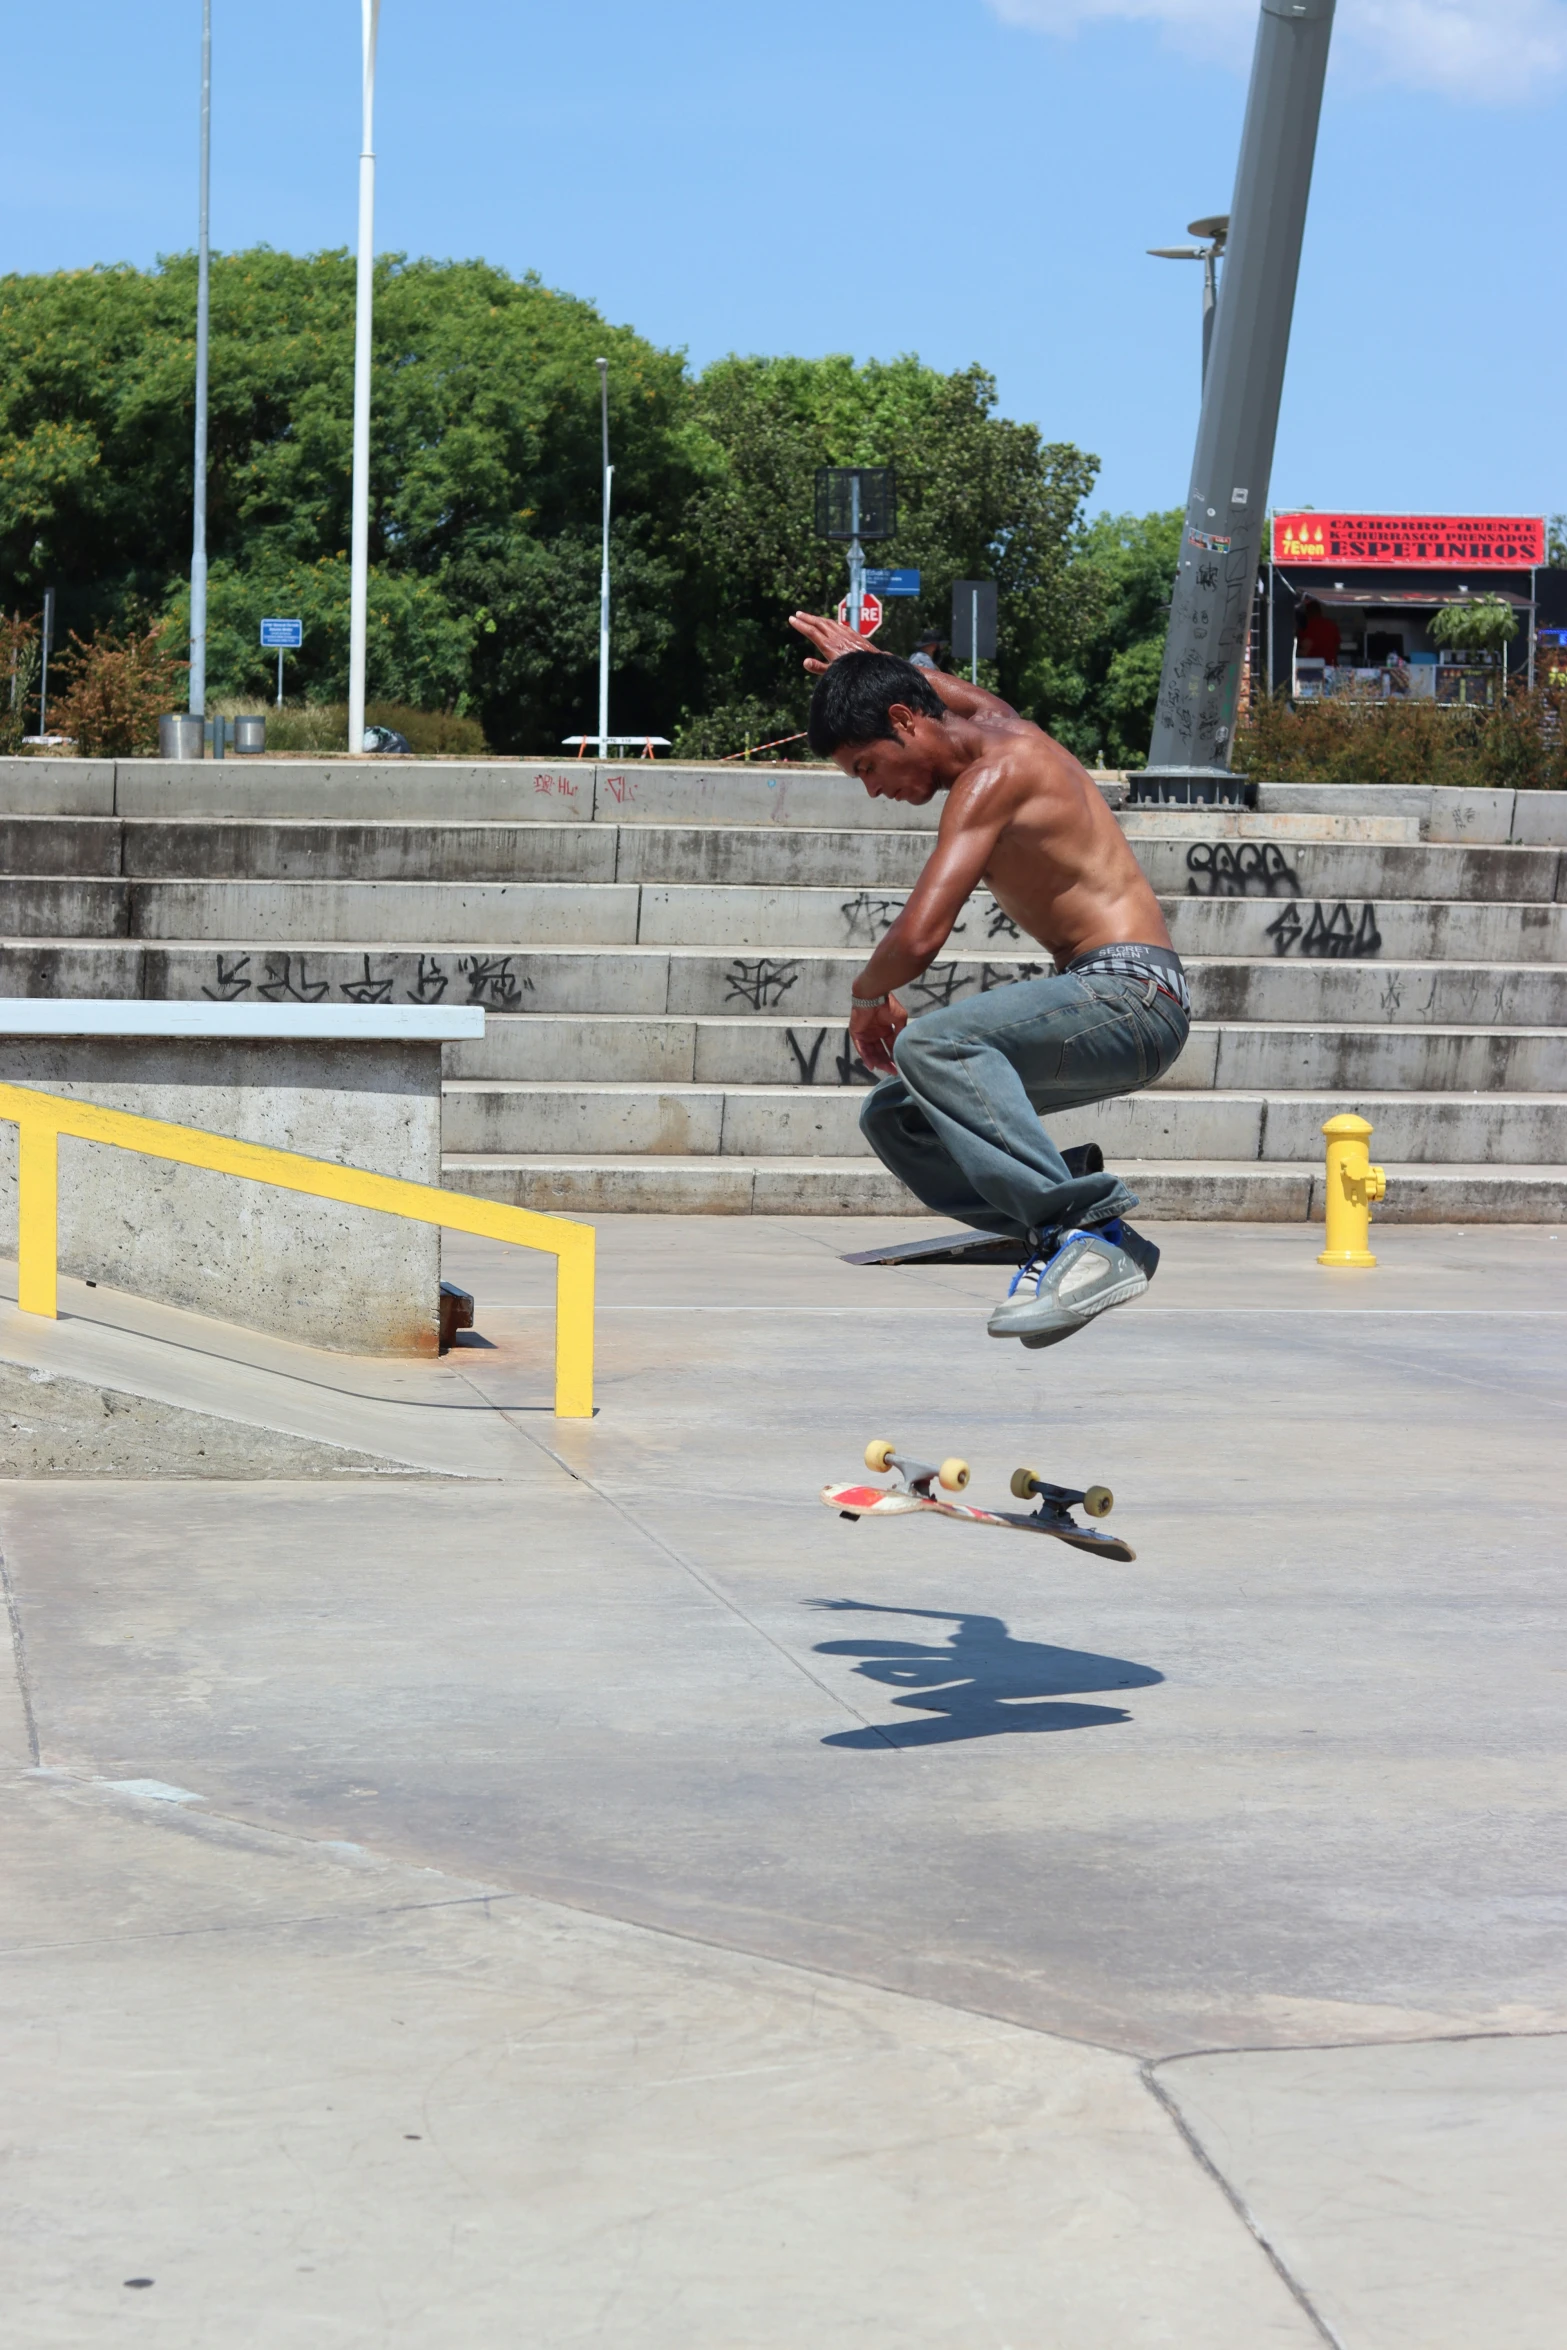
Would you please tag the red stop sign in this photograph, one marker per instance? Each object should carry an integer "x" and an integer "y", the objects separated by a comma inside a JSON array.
[{"x": 870, "y": 613}]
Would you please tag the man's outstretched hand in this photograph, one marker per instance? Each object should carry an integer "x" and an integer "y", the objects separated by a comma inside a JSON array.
[{"x": 831, "y": 639}]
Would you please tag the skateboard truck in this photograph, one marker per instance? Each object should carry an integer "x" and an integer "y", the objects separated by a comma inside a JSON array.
[{"x": 1056, "y": 1502}]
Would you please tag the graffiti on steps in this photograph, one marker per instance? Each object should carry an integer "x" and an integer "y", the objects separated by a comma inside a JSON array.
[
  {"x": 806, "y": 1060},
  {"x": 283, "y": 985},
  {"x": 936, "y": 987},
  {"x": 1334, "y": 935},
  {"x": 1240, "y": 869},
  {"x": 762, "y": 984},
  {"x": 491, "y": 980},
  {"x": 1003, "y": 974},
  {"x": 851, "y": 1069},
  {"x": 1000, "y": 925},
  {"x": 430, "y": 982},
  {"x": 868, "y": 917},
  {"x": 231, "y": 980},
  {"x": 371, "y": 987}
]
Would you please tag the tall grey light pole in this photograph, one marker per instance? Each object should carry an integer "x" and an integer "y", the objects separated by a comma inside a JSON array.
[
  {"x": 608, "y": 478},
  {"x": 364, "y": 291},
  {"x": 1215, "y": 229},
  {"x": 198, "y": 547},
  {"x": 1221, "y": 542}
]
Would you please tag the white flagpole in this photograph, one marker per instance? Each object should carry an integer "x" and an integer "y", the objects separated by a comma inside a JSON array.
[
  {"x": 359, "y": 539},
  {"x": 197, "y": 700}
]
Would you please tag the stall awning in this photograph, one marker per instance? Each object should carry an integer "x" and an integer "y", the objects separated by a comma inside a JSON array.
[{"x": 1407, "y": 599}]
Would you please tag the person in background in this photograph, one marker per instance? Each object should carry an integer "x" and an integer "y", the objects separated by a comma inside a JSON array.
[
  {"x": 931, "y": 648},
  {"x": 1316, "y": 636}
]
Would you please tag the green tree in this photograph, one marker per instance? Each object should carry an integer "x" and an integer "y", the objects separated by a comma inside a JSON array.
[
  {"x": 484, "y": 536},
  {"x": 978, "y": 497},
  {"x": 1097, "y": 685}
]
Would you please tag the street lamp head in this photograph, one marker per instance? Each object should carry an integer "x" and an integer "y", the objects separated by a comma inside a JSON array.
[
  {"x": 1216, "y": 226},
  {"x": 602, "y": 365},
  {"x": 1178, "y": 252}
]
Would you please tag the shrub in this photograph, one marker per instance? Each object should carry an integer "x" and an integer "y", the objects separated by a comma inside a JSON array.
[
  {"x": 1345, "y": 738},
  {"x": 322, "y": 727},
  {"x": 20, "y": 659},
  {"x": 114, "y": 691},
  {"x": 720, "y": 733}
]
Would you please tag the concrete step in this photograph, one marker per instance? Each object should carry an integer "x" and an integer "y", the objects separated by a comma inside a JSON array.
[
  {"x": 511, "y": 915},
  {"x": 638, "y": 791},
  {"x": 812, "y": 984},
  {"x": 787, "y": 1121},
  {"x": 847, "y": 857},
  {"x": 1209, "y": 1191},
  {"x": 765, "y": 1050}
]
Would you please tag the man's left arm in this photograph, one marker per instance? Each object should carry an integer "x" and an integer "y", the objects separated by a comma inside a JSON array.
[{"x": 970, "y": 828}]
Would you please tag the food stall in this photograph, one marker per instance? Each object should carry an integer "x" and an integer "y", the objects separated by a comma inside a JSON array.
[{"x": 1349, "y": 603}]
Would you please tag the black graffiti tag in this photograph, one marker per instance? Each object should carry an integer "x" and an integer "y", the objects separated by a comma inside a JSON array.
[
  {"x": 282, "y": 983},
  {"x": 369, "y": 989},
  {"x": 431, "y": 982},
  {"x": 805, "y": 1059},
  {"x": 761, "y": 984},
  {"x": 1334, "y": 936},
  {"x": 868, "y": 917},
  {"x": 1244, "y": 869},
  {"x": 232, "y": 982},
  {"x": 851, "y": 1069},
  {"x": 491, "y": 980}
]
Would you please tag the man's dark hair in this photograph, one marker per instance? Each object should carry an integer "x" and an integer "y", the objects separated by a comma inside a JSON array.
[{"x": 853, "y": 697}]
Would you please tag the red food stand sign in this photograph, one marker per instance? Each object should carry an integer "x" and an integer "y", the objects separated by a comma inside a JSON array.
[{"x": 1434, "y": 542}]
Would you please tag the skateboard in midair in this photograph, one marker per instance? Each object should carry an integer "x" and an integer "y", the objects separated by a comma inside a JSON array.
[{"x": 914, "y": 1491}]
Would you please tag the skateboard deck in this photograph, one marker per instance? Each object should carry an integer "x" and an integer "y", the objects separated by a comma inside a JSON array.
[{"x": 914, "y": 1493}]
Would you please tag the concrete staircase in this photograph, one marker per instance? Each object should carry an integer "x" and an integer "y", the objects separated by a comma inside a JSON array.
[{"x": 665, "y": 954}]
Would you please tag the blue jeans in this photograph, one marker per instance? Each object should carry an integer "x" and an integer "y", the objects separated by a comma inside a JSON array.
[{"x": 960, "y": 1121}]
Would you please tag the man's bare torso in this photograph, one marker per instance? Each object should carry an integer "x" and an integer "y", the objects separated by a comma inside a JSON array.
[{"x": 1061, "y": 865}]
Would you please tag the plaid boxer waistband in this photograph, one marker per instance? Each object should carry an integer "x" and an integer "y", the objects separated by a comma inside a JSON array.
[{"x": 1159, "y": 965}]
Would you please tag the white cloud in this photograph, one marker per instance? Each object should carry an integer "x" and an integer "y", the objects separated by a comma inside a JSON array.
[{"x": 1491, "y": 50}]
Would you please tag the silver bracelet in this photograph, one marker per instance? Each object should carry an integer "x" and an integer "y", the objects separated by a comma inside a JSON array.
[{"x": 867, "y": 1003}]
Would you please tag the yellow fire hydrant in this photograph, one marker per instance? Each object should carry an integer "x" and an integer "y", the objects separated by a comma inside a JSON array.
[{"x": 1353, "y": 1183}]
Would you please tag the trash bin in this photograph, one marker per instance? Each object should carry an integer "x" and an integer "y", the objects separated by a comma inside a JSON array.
[
  {"x": 180, "y": 737},
  {"x": 250, "y": 734}
]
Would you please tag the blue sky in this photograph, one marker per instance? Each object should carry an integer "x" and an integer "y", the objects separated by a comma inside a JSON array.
[{"x": 971, "y": 179}]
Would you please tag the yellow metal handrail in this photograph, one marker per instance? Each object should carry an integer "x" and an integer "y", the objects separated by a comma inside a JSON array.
[{"x": 41, "y": 1118}]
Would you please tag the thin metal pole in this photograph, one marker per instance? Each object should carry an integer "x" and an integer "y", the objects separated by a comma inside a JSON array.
[
  {"x": 198, "y": 548},
  {"x": 280, "y": 677},
  {"x": 973, "y": 643},
  {"x": 856, "y": 557},
  {"x": 1210, "y": 303},
  {"x": 43, "y": 681},
  {"x": 608, "y": 472},
  {"x": 364, "y": 289}
]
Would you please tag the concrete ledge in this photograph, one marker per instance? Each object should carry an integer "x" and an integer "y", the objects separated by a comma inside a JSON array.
[
  {"x": 308, "y": 1269},
  {"x": 323, "y": 1023}
]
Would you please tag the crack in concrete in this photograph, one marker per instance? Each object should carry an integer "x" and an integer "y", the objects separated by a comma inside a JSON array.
[
  {"x": 19, "y": 1663},
  {"x": 688, "y": 1568},
  {"x": 1237, "y": 2203}
]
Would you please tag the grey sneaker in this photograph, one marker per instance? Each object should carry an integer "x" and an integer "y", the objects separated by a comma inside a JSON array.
[{"x": 1063, "y": 1288}]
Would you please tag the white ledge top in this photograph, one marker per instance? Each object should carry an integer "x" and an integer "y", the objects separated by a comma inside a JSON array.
[{"x": 317, "y": 1023}]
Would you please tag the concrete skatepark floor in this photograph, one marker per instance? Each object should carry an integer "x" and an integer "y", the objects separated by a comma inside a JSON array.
[{"x": 608, "y": 1898}]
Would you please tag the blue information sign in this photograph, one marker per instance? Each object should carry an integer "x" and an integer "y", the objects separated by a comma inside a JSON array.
[
  {"x": 282, "y": 636},
  {"x": 893, "y": 583}
]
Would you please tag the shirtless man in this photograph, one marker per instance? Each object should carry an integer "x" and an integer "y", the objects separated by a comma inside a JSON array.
[{"x": 957, "y": 1114}]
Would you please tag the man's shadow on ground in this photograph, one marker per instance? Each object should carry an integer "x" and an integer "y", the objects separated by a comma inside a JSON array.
[{"x": 979, "y": 1680}]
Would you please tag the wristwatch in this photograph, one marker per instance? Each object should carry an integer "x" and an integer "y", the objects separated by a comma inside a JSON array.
[{"x": 867, "y": 1003}]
